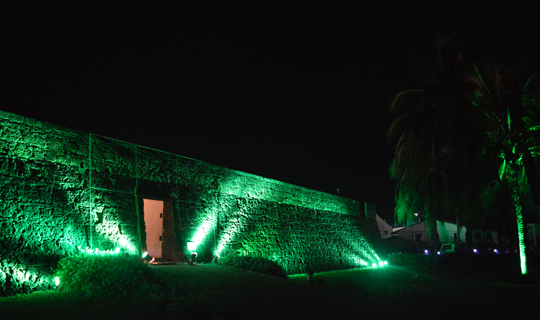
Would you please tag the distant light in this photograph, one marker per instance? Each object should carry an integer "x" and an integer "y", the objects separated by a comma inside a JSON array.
[
  {"x": 475, "y": 251},
  {"x": 57, "y": 281},
  {"x": 426, "y": 251},
  {"x": 374, "y": 265},
  {"x": 495, "y": 250},
  {"x": 438, "y": 252},
  {"x": 386, "y": 263},
  {"x": 381, "y": 264}
]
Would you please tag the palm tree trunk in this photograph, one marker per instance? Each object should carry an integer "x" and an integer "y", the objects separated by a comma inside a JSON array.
[{"x": 513, "y": 181}]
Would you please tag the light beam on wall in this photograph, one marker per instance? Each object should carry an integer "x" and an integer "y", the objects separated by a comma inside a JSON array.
[
  {"x": 206, "y": 228},
  {"x": 230, "y": 232}
]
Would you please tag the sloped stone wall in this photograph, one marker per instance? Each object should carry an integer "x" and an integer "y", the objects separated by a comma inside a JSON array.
[
  {"x": 62, "y": 189},
  {"x": 299, "y": 238},
  {"x": 43, "y": 200}
]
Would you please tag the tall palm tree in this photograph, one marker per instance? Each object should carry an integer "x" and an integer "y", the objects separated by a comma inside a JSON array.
[
  {"x": 509, "y": 100},
  {"x": 429, "y": 126}
]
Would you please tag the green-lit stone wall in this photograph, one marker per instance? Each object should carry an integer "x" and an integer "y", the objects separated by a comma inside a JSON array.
[
  {"x": 43, "y": 200},
  {"x": 62, "y": 189}
]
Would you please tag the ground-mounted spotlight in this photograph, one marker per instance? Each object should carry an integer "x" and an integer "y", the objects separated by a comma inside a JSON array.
[
  {"x": 374, "y": 265},
  {"x": 145, "y": 254},
  {"x": 193, "y": 258},
  {"x": 381, "y": 263}
]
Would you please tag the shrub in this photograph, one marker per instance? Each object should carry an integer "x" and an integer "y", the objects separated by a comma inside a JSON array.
[
  {"x": 256, "y": 264},
  {"x": 106, "y": 276},
  {"x": 407, "y": 259}
]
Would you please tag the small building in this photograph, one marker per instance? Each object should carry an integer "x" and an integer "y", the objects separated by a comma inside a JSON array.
[
  {"x": 385, "y": 229},
  {"x": 418, "y": 233},
  {"x": 485, "y": 236},
  {"x": 533, "y": 232}
]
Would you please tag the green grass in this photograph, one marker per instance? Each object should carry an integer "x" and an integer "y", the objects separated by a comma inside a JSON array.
[
  {"x": 376, "y": 283},
  {"x": 56, "y": 305},
  {"x": 51, "y": 305},
  {"x": 483, "y": 292},
  {"x": 456, "y": 292},
  {"x": 98, "y": 286}
]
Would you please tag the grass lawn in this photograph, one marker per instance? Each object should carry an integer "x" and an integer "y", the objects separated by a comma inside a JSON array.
[
  {"x": 480, "y": 292},
  {"x": 55, "y": 305}
]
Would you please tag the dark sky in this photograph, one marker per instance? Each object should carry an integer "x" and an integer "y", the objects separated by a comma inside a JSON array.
[{"x": 295, "y": 91}]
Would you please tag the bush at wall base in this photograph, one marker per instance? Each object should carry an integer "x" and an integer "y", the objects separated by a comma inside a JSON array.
[
  {"x": 104, "y": 276},
  {"x": 408, "y": 259},
  {"x": 124, "y": 277},
  {"x": 257, "y": 264}
]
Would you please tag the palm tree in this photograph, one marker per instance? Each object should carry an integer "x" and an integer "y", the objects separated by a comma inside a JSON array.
[
  {"x": 431, "y": 123},
  {"x": 509, "y": 100}
]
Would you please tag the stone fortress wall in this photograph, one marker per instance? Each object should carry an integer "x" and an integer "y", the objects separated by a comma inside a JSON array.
[{"x": 63, "y": 189}]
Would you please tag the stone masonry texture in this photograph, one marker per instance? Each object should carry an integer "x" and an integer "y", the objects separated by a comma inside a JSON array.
[{"x": 63, "y": 189}]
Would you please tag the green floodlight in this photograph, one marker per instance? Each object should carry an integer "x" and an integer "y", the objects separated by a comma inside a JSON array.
[
  {"x": 57, "y": 281},
  {"x": 374, "y": 265},
  {"x": 381, "y": 263},
  {"x": 145, "y": 254},
  {"x": 386, "y": 263}
]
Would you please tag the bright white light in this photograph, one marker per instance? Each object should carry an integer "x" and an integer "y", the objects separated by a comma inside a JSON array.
[
  {"x": 381, "y": 264},
  {"x": 475, "y": 251},
  {"x": 386, "y": 263},
  {"x": 426, "y": 251},
  {"x": 57, "y": 281},
  {"x": 438, "y": 252},
  {"x": 192, "y": 246},
  {"x": 374, "y": 265},
  {"x": 495, "y": 250}
]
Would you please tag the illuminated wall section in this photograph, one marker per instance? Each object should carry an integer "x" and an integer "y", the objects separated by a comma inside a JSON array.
[
  {"x": 112, "y": 182},
  {"x": 43, "y": 200},
  {"x": 62, "y": 189}
]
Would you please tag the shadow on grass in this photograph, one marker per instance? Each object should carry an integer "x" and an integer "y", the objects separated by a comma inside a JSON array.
[
  {"x": 45, "y": 305},
  {"x": 446, "y": 291},
  {"x": 56, "y": 305}
]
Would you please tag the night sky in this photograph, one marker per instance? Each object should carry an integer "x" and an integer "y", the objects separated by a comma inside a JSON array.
[{"x": 295, "y": 91}]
